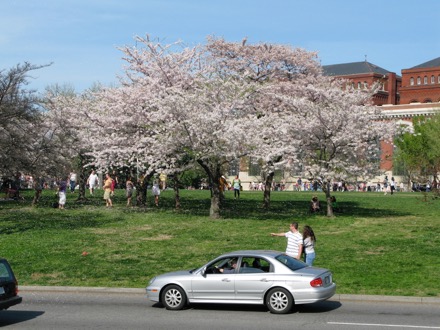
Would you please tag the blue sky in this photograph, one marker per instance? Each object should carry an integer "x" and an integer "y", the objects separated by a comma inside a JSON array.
[{"x": 80, "y": 37}]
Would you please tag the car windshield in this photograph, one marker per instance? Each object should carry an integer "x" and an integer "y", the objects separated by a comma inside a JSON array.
[{"x": 292, "y": 263}]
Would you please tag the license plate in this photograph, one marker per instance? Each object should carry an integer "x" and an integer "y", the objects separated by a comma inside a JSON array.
[{"x": 2, "y": 290}]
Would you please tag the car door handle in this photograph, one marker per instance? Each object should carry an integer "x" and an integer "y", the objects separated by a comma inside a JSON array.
[
  {"x": 226, "y": 280},
  {"x": 264, "y": 280}
]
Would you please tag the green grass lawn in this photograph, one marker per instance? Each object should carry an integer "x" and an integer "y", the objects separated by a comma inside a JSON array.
[{"x": 377, "y": 244}]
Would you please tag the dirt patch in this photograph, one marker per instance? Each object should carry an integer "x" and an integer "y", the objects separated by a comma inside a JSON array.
[{"x": 157, "y": 238}]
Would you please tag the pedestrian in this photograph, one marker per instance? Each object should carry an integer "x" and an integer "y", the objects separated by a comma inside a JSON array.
[
  {"x": 294, "y": 241},
  {"x": 156, "y": 192},
  {"x": 93, "y": 182},
  {"x": 392, "y": 185},
  {"x": 62, "y": 188},
  {"x": 129, "y": 191},
  {"x": 107, "y": 190},
  {"x": 114, "y": 183},
  {"x": 38, "y": 186},
  {"x": 236, "y": 183},
  {"x": 72, "y": 181},
  {"x": 309, "y": 241}
]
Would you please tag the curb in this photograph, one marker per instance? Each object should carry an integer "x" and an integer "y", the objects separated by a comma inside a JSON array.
[
  {"x": 141, "y": 291},
  {"x": 388, "y": 299}
]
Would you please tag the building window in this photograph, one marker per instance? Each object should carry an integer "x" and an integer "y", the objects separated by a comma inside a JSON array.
[
  {"x": 365, "y": 85},
  {"x": 359, "y": 85},
  {"x": 254, "y": 167},
  {"x": 419, "y": 81},
  {"x": 432, "y": 80},
  {"x": 411, "y": 81},
  {"x": 438, "y": 79},
  {"x": 234, "y": 168},
  {"x": 425, "y": 80}
]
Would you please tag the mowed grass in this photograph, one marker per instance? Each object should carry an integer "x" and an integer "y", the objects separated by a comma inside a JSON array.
[{"x": 376, "y": 244}]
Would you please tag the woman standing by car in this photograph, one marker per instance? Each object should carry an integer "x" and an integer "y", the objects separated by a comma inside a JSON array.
[{"x": 309, "y": 245}]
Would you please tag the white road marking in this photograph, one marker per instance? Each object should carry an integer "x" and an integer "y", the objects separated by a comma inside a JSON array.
[{"x": 386, "y": 325}]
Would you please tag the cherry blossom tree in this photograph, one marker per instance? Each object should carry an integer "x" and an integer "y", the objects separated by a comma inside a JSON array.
[
  {"x": 212, "y": 104},
  {"x": 28, "y": 142},
  {"x": 340, "y": 133}
]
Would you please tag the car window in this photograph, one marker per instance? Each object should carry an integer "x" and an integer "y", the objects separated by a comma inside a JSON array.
[
  {"x": 251, "y": 265},
  {"x": 5, "y": 274},
  {"x": 224, "y": 263},
  {"x": 292, "y": 263}
]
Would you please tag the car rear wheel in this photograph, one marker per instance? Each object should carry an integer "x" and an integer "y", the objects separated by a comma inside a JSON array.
[
  {"x": 173, "y": 297},
  {"x": 279, "y": 301}
]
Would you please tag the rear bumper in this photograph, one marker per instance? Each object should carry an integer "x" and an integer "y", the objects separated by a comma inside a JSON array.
[
  {"x": 5, "y": 304},
  {"x": 320, "y": 294}
]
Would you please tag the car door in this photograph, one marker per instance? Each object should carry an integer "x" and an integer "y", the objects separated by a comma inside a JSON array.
[
  {"x": 253, "y": 279},
  {"x": 212, "y": 286}
]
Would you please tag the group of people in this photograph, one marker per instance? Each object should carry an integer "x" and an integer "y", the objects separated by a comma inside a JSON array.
[
  {"x": 109, "y": 186},
  {"x": 299, "y": 244}
]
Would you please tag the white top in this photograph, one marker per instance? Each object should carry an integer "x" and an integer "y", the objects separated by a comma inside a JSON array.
[{"x": 309, "y": 245}]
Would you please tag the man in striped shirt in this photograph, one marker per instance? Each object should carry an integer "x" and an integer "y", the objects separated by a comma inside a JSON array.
[{"x": 294, "y": 241}]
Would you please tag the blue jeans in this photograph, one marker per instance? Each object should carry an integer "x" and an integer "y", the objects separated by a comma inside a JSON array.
[{"x": 310, "y": 257}]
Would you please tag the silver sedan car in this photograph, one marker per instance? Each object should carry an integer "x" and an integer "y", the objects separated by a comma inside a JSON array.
[{"x": 245, "y": 277}]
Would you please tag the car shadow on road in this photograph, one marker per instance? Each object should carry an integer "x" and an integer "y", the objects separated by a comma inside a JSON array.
[
  {"x": 320, "y": 307},
  {"x": 10, "y": 317}
]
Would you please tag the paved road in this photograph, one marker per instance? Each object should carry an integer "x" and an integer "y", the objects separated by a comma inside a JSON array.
[{"x": 130, "y": 310}]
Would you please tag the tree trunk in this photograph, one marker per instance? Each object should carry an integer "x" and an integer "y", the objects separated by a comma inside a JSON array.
[
  {"x": 176, "y": 191},
  {"x": 82, "y": 178},
  {"x": 141, "y": 190},
  {"x": 214, "y": 176},
  {"x": 327, "y": 187},
  {"x": 37, "y": 196},
  {"x": 267, "y": 189}
]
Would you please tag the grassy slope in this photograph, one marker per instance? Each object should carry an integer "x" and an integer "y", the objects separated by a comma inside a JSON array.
[{"x": 377, "y": 245}]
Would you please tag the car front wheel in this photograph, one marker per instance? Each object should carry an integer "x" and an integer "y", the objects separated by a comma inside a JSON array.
[
  {"x": 173, "y": 297},
  {"x": 279, "y": 301}
]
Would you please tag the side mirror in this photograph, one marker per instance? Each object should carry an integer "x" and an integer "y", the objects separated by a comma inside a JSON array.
[{"x": 203, "y": 272}]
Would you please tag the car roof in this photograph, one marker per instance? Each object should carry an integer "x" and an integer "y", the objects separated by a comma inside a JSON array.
[{"x": 267, "y": 253}]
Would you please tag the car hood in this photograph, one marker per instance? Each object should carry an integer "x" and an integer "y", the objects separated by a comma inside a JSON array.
[{"x": 177, "y": 273}]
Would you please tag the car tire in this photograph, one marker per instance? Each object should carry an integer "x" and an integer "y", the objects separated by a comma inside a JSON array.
[
  {"x": 173, "y": 297},
  {"x": 279, "y": 301}
]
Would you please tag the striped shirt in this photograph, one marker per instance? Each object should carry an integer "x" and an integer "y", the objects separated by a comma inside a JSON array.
[{"x": 294, "y": 240}]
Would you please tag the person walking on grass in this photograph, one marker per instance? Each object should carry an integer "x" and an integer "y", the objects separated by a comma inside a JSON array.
[
  {"x": 294, "y": 241},
  {"x": 108, "y": 190},
  {"x": 62, "y": 189},
  {"x": 236, "y": 183},
  {"x": 156, "y": 192},
  {"x": 129, "y": 191},
  {"x": 93, "y": 182}
]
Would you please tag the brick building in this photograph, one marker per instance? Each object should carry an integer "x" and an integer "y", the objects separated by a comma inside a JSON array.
[
  {"x": 421, "y": 83},
  {"x": 415, "y": 93},
  {"x": 365, "y": 74}
]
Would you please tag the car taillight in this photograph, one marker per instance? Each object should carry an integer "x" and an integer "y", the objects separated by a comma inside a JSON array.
[
  {"x": 16, "y": 287},
  {"x": 316, "y": 282}
]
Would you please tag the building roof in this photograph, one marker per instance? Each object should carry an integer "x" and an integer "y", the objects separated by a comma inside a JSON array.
[
  {"x": 346, "y": 69},
  {"x": 430, "y": 64}
]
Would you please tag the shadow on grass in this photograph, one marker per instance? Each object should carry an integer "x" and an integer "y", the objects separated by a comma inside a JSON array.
[
  {"x": 20, "y": 216},
  {"x": 280, "y": 209}
]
